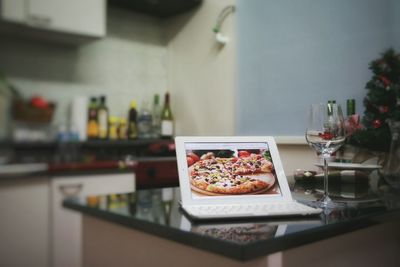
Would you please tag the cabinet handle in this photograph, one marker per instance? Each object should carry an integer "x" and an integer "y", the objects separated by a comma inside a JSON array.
[
  {"x": 71, "y": 190},
  {"x": 39, "y": 21}
]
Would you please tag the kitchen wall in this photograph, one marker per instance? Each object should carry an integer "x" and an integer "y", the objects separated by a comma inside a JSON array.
[
  {"x": 293, "y": 53},
  {"x": 201, "y": 72},
  {"x": 396, "y": 23},
  {"x": 130, "y": 63}
]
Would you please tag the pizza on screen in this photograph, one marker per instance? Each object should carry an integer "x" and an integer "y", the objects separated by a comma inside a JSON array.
[{"x": 231, "y": 169}]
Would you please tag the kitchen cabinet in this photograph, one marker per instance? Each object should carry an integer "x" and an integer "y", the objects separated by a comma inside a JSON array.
[
  {"x": 156, "y": 172},
  {"x": 66, "y": 233},
  {"x": 86, "y": 18},
  {"x": 162, "y": 9},
  {"x": 24, "y": 223},
  {"x": 13, "y": 10}
]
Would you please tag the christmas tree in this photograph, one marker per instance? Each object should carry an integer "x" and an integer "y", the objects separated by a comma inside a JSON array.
[{"x": 382, "y": 103}]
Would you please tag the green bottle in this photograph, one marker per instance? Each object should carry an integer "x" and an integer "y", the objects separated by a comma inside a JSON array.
[
  {"x": 156, "y": 114},
  {"x": 351, "y": 107}
]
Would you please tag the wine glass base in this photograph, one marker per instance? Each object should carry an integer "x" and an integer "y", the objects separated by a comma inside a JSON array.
[{"x": 327, "y": 203}]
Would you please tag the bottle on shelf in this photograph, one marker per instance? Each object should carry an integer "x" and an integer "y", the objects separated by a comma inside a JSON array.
[
  {"x": 113, "y": 129},
  {"x": 144, "y": 121},
  {"x": 167, "y": 119},
  {"x": 331, "y": 105},
  {"x": 122, "y": 129},
  {"x": 156, "y": 113},
  {"x": 93, "y": 125},
  {"x": 348, "y": 152},
  {"x": 350, "y": 107},
  {"x": 132, "y": 121},
  {"x": 102, "y": 114}
]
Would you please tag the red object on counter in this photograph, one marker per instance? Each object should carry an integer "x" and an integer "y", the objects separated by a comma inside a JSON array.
[
  {"x": 39, "y": 102},
  {"x": 156, "y": 173},
  {"x": 162, "y": 148}
]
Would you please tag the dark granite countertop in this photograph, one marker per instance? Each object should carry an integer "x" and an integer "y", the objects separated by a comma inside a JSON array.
[{"x": 156, "y": 211}]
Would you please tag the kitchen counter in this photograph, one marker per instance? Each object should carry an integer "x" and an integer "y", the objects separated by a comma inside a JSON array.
[
  {"x": 149, "y": 172},
  {"x": 32, "y": 170},
  {"x": 152, "y": 160},
  {"x": 367, "y": 206}
]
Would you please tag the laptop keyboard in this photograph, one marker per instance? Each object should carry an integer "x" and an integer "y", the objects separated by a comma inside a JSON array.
[{"x": 264, "y": 209}]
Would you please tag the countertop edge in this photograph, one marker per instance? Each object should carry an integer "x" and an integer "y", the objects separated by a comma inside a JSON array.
[
  {"x": 229, "y": 250},
  {"x": 235, "y": 251}
]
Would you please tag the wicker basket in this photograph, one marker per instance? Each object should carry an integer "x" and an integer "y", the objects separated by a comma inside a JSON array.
[{"x": 23, "y": 111}]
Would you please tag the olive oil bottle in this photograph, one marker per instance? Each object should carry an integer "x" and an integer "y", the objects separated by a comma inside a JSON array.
[
  {"x": 132, "y": 121},
  {"x": 93, "y": 125},
  {"x": 102, "y": 114}
]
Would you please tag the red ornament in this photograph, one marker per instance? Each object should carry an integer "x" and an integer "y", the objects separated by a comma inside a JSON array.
[
  {"x": 383, "y": 109},
  {"x": 377, "y": 124},
  {"x": 385, "y": 80}
]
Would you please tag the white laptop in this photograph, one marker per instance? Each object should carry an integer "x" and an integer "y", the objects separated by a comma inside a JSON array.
[{"x": 234, "y": 177}]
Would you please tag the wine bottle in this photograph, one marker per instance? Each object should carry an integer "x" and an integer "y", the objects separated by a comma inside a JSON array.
[
  {"x": 331, "y": 106},
  {"x": 132, "y": 120},
  {"x": 156, "y": 113},
  {"x": 93, "y": 125},
  {"x": 102, "y": 114},
  {"x": 351, "y": 107},
  {"x": 167, "y": 119},
  {"x": 144, "y": 121}
]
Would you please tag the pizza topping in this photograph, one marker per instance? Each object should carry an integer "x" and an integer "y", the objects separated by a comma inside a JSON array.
[
  {"x": 208, "y": 155},
  {"x": 190, "y": 161},
  {"x": 193, "y": 156},
  {"x": 243, "y": 154}
]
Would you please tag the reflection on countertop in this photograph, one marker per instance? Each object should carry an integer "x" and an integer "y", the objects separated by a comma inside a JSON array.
[{"x": 157, "y": 211}]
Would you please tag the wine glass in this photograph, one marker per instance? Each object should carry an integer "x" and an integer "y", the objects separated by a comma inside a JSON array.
[{"x": 325, "y": 133}]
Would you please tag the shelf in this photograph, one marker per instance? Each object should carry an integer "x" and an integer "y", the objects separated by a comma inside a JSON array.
[
  {"x": 89, "y": 143},
  {"x": 92, "y": 150},
  {"x": 157, "y": 8}
]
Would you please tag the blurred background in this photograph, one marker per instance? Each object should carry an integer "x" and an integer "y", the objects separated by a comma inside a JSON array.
[{"x": 92, "y": 92}]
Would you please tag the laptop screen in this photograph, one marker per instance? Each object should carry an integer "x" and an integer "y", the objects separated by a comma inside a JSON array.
[{"x": 219, "y": 169}]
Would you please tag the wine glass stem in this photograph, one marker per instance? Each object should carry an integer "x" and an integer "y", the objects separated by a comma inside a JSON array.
[{"x": 325, "y": 177}]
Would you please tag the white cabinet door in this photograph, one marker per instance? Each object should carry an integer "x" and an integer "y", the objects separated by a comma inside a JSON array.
[
  {"x": 86, "y": 17},
  {"x": 66, "y": 224},
  {"x": 24, "y": 221},
  {"x": 75, "y": 16},
  {"x": 13, "y": 10}
]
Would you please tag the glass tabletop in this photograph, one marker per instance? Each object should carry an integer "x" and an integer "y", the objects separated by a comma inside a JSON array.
[{"x": 160, "y": 208}]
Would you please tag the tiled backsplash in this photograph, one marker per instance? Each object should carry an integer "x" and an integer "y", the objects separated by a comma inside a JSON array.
[{"x": 130, "y": 63}]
